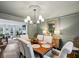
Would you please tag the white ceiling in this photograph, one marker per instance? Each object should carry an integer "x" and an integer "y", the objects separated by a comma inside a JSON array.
[{"x": 49, "y": 9}]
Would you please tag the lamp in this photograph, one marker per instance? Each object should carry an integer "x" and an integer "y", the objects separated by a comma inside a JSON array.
[
  {"x": 44, "y": 32},
  {"x": 28, "y": 20},
  {"x": 39, "y": 19},
  {"x": 57, "y": 32}
]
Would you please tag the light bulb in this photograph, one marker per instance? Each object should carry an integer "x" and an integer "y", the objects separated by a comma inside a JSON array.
[
  {"x": 28, "y": 18},
  {"x": 31, "y": 22},
  {"x": 40, "y": 17},
  {"x": 25, "y": 20},
  {"x": 57, "y": 32},
  {"x": 38, "y": 21},
  {"x": 44, "y": 31},
  {"x": 42, "y": 20}
]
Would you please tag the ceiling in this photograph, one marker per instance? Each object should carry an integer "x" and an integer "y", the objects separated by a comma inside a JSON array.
[{"x": 48, "y": 9}]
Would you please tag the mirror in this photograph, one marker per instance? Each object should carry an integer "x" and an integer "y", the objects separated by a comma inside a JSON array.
[{"x": 51, "y": 26}]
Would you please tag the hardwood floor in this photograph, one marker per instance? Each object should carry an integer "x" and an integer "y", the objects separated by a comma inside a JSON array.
[{"x": 11, "y": 50}]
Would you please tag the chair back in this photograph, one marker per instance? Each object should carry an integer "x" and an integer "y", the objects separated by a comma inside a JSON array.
[
  {"x": 67, "y": 49},
  {"x": 40, "y": 37},
  {"x": 21, "y": 48},
  {"x": 24, "y": 37},
  {"x": 28, "y": 50},
  {"x": 48, "y": 39}
]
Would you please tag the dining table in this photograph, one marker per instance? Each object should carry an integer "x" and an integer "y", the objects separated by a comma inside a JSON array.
[{"x": 41, "y": 51}]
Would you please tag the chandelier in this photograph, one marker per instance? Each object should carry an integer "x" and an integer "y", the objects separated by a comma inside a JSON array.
[{"x": 29, "y": 20}]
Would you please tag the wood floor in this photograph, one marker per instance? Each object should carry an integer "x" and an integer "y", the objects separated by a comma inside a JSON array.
[{"x": 11, "y": 50}]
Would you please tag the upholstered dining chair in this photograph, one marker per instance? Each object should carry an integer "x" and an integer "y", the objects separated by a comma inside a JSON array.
[
  {"x": 26, "y": 37},
  {"x": 21, "y": 48},
  {"x": 28, "y": 50},
  {"x": 40, "y": 37},
  {"x": 67, "y": 49},
  {"x": 48, "y": 39}
]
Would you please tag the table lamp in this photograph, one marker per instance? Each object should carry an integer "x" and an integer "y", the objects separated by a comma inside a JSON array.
[{"x": 44, "y": 32}]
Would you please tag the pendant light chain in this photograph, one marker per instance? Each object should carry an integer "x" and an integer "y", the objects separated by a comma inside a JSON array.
[{"x": 34, "y": 14}]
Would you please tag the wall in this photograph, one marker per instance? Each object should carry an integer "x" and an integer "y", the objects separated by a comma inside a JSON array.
[
  {"x": 69, "y": 26},
  {"x": 10, "y": 27},
  {"x": 10, "y": 17},
  {"x": 44, "y": 25},
  {"x": 32, "y": 29},
  {"x": 10, "y": 22}
]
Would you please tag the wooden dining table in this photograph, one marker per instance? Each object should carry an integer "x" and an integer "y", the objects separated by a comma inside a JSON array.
[{"x": 42, "y": 50}]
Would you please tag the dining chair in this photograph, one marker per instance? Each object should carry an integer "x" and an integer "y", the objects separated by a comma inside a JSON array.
[
  {"x": 67, "y": 49},
  {"x": 25, "y": 37},
  {"x": 48, "y": 39},
  {"x": 21, "y": 48},
  {"x": 40, "y": 37},
  {"x": 28, "y": 50}
]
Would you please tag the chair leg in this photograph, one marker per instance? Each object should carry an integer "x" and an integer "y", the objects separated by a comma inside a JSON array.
[
  {"x": 21, "y": 55},
  {"x": 24, "y": 56}
]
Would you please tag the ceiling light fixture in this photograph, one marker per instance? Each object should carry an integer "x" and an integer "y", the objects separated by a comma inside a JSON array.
[{"x": 40, "y": 19}]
